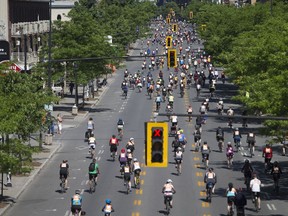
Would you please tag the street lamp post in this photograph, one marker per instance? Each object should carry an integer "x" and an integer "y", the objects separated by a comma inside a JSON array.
[
  {"x": 18, "y": 43},
  {"x": 49, "y": 45}
]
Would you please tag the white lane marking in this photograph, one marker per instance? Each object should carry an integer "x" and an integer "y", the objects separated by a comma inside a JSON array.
[
  {"x": 73, "y": 177},
  {"x": 87, "y": 181},
  {"x": 61, "y": 198},
  {"x": 273, "y": 207},
  {"x": 76, "y": 169},
  {"x": 269, "y": 207},
  {"x": 84, "y": 160},
  {"x": 81, "y": 147},
  {"x": 99, "y": 152},
  {"x": 99, "y": 158},
  {"x": 82, "y": 191},
  {"x": 67, "y": 213},
  {"x": 51, "y": 210}
]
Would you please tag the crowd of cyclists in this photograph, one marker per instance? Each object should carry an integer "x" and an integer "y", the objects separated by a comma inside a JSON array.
[{"x": 194, "y": 69}]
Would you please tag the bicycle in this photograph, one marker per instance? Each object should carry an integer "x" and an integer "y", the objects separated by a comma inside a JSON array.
[
  {"x": 251, "y": 148},
  {"x": 92, "y": 184},
  {"x": 229, "y": 161},
  {"x": 120, "y": 133},
  {"x": 197, "y": 144},
  {"x": 231, "y": 209},
  {"x": 205, "y": 161},
  {"x": 137, "y": 180},
  {"x": 178, "y": 166},
  {"x": 113, "y": 154},
  {"x": 209, "y": 192},
  {"x": 247, "y": 182},
  {"x": 221, "y": 145},
  {"x": 238, "y": 144},
  {"x": 127, "y": 186},
  {"x": 256, "y": 201},
  {"x": 168, "y": 204},
  {"x": 276, "y": 185},
  {"x": 63, "y": 184}
]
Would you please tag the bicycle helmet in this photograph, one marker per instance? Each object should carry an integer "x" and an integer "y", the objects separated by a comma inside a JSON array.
[
  {"x": 230, "y": 185},
  {"x": 135, "y": 160},
  {"x": 179, "y": 148},
  {"x": 131, "y": 139},
  {"x": 113, "y": 136},
  {"x": 94, "y": 160},
  {"x": 229, "y": 143},
  {"x": 205, "y": 142},
  {"x": 122, "y": 150},
  {"x": 77, "y": 192},
  {"x": 128, "y": 150},
  {"x": 247, "y": 161},
  {"x": 169, "y": 181},
  {"x": 210, "y": 169},
  {"x": 108, "y": 201}
]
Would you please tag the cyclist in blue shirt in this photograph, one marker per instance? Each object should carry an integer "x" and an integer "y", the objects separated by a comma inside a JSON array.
[
  {"x": 182, "y": 139},
  {"x": 76, "y": 202}
]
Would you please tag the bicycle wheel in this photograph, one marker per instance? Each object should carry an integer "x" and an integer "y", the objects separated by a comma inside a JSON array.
[{"x": 167, "y": 207}]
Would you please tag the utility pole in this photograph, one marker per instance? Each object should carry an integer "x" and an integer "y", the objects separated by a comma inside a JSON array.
[{"x": 49, "y": 45}]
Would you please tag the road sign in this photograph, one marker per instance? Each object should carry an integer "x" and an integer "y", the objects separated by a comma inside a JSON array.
[
  {"x": 4, "y": 50},
  {"x": 11, "y": 66}
]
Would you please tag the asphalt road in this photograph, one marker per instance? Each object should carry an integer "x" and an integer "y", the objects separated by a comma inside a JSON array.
[{"x": 42, "y": 196}]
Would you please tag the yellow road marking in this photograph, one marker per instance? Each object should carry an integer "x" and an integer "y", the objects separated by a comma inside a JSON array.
[
  {"x": 140, "y": 192},
  {"x": 199, "y": 174},
  {"x": 143, "y": 173},
  {"x": 203, "y": 194},
  {"x": 196, "y": 158},
  {"x": 142, "y": 181},
  {"x": 206, "y": 215},
  {"x": 200, "y": 184},
  {"x": 193, "y": 144},
  {"x": 135, "y": 214},
  {"x": 137, "y": 202},
  {"x": 196, "y": 165},
  {"x": 205, "y": 205}
]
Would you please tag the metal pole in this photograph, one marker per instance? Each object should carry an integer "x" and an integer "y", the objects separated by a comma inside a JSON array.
[
  {"x": 49, "y": 45},
  {"x": 76, "y": 84},
  {"x": 25, "y": 53}
]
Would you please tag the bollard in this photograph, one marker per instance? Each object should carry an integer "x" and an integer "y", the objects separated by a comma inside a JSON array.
[{"x": 74, "y": 110}]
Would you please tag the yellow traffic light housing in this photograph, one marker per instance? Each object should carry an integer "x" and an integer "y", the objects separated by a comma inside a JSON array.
[
  {"x": 168, "y": 20},
  {"x": 156, "y": 149},
  {"x": 169, "y": 42},
  {"x": 172, "y": 58},
  {"x": 191, "y": 14},
  {"x": 174, "y": 27}
]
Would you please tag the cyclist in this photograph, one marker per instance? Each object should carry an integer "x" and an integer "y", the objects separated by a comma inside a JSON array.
[
  {"x": 205, "y": 150},
  {"x": 113, "y": 142},
  {"x": 276, "y": 173},
  {"x": 171, "y": 100},
  {"x": 92, "y": 144},
  {"x": 64, "y": 171},
  {"x": 93, "y": 171},
  {"x": 175, "y": 144},
  {"x": 267, "y": 154},
  {"x": 210, "y": 177},
  {"x": 230, "y": 193},
  {"x": 90, "y": 127},
  {"x": 255, "y": 186},
  {"x": 120, "y": 126},
  {"x": 127, "y": 175},
  {"x": 229, "y": 154},
  {"x": 251, "y": 140},
  {"x": 168, "y": 190},
  {"x": 197, "y": 137},
  {"x": 230, "y": 112},
  {"x": 240, "y": 202},
  {"x": 220, "y": 106},
  {"x": 198, "y": 123},
  {"x": 189, "y": 111},
  {"x": 178, "y": 158},
  {"x": 174, "y": 119},
  {"x": 158, "y": 101},
  {"x": 202, "y": 109},
  {"x": 130, "y": 145},
  {"x": 164, "y": 93},
  {"x": 247, "y": 170},
  {"x": 107, "y": 209},
  {"x": 219, "y": 134},
  {"x": 237, "y": 136},
  {"x": 136, "y": 169},
  {"x": 122, "y": 159},
  {"x": 76, "y": 202},
  {"x": 129, "y": 158},
  {"x": 182, "y": 139}
]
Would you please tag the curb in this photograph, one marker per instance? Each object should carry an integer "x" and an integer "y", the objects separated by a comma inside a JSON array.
[{"x": 30, "y": 178}]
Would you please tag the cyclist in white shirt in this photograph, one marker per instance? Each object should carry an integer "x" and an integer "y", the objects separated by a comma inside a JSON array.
[
  {"x": 174, "y": 120},
  {"x": 255, "y": 186}
]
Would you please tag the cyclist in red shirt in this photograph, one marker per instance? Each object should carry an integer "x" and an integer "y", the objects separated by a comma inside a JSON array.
[
  {"x": 267, "y": 154},
  {"x": 113, "y": 142}
]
